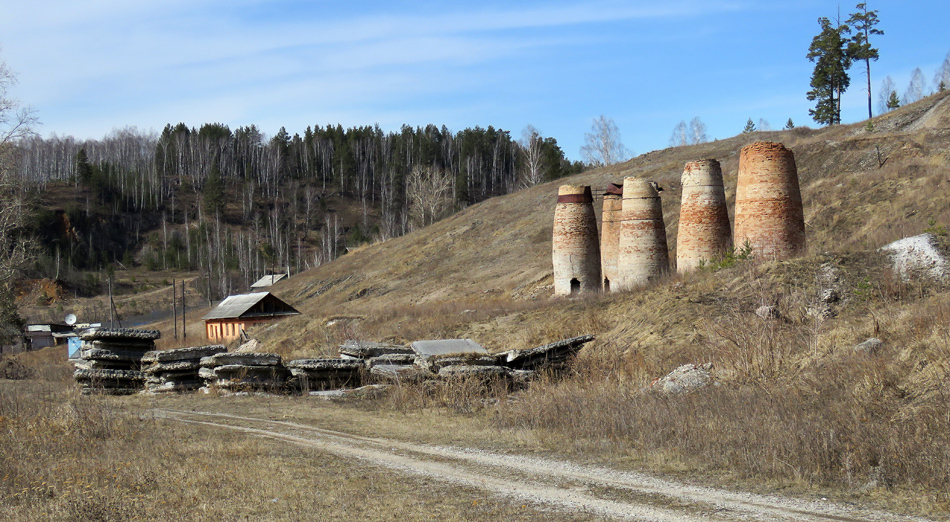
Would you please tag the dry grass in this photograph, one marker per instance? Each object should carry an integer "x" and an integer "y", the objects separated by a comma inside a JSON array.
[
  {"x": 795, "y": 406},
  {"x": 68, "y": 457}
]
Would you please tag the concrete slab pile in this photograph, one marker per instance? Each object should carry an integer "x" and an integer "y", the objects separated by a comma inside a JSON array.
[
  {"x": 325, "y": 374},
  {"x": 643, "y": 254},
  {"x": 353, "y": 349},
  {"x": 552, "y": 356},
  {"x": 111, "y": 358},
  {"x": 704, "y": 232},
  {"x": 244, "y": 371},
  {"x": 171, "y": 371},
  {"x": 769, "y": 213},
  {"x": 575, "y": 245}
]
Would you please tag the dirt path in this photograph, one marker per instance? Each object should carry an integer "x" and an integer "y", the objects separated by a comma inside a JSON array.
[{"x": 555, "y": 484}]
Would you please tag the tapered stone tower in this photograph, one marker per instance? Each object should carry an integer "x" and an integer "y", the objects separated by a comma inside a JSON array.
[
  {"x": 610, "y": 236},
  {"x": 643, "y": 250},
  {"x": 769, "y": 214},
  {"x": 576, "y": 246},
  {"x": 704, "y": 232}
]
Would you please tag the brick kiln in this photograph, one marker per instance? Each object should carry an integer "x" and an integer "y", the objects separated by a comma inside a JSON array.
[
  {"x": 576, "y": 248},
  {"x": 769, "y": 214},
  {"x": 643, "y": 252},
  {"x": 610, "y": 236},
  {"x": 704, "y": 232}
]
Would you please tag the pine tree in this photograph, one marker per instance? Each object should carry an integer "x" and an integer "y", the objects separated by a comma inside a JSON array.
[
  {"x": 893, "y": 101},
  {"x": 830, "y": 78},
  {"x": 789, "y": 125},
  {"x": 860, "y": 46},
  {"x": 749, "y": 127}
]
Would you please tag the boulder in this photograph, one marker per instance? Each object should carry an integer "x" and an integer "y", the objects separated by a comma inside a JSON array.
[
  {"x": 869, "y": 346},
  {"x": 684, "y": 379},
  {"x": 768, "y": 312}
]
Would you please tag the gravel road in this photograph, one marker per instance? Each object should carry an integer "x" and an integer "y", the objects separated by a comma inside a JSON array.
[{"x": 555, "y": 485}]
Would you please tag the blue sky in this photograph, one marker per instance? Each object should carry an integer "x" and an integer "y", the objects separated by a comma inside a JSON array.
[{"x": 89, "y": 67}]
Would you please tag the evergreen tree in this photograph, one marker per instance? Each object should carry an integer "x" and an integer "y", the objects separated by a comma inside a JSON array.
[
  {"x": 830, "y": 78},
  {"x": 893, "y": 101},
  {"x": 860, "y": 46},
  {"x": 789, "y": 125},
  {"x": 749, "y": 127}
]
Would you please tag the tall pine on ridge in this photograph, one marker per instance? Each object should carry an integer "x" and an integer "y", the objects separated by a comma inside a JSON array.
[
  {"x": 830, "y": 78},
  {"x": 860, "y": 48}
]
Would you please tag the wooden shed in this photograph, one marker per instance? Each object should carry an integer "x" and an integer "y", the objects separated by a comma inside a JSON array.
[{"x": 240, "y": 312}]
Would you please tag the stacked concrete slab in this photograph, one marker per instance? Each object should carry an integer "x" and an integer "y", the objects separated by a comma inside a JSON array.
[
  {"x": 326, "y": 374},
  {"x": 176, "y": 370},
  {"x": 235, "y": 371},
  {"x": 353, "y": 349},
  {"x": 111, "y": 358},
  {"x": 552, "y": 356}
]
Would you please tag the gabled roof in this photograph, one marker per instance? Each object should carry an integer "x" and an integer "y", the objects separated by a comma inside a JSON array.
[
  {"x": 268, "y": 280},
  {"x": 259, "y": 304}
]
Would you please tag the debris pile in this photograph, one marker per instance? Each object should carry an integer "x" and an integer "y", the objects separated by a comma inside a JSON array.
[
  {"x": 549, "y": 357},
  {"x": 176, "y": 370},
  {"x": 111, "y": 359},
  {"x": 241, "y": 371}
]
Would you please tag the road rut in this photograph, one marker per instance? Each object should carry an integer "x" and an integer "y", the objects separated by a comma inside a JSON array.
[{"x": 557, "y": 485}]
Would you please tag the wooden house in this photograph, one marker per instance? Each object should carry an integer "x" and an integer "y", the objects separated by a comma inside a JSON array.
[{"x": 240, "y": 312}]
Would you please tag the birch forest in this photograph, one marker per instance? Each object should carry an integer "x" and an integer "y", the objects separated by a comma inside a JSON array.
[{"x": 232, "y": 205}]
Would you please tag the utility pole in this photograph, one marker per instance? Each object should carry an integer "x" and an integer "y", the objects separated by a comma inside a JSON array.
[{"x": 175, "y": 305}]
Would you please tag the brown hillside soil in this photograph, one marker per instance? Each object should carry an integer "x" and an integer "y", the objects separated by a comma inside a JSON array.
[{"x": 795, "y": 409}]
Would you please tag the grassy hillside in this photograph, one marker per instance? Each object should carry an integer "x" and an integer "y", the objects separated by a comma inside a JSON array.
[{"x": 796, "y": 407}]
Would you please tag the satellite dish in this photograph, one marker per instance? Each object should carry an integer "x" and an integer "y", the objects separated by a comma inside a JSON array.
[{"x": 71, "y": 319}]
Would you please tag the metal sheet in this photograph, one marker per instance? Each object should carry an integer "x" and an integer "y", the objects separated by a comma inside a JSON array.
[{"x": 237, "y": 305}]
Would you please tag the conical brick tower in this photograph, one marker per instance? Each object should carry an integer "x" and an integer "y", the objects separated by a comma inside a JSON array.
[
  {"x": 704, "y": 232},
  {"x": 576, "y": 247},
  {"x": 769, "y": 214},
  {"x": 610, "y": 236},
  {"x": 643, "y": 251}
]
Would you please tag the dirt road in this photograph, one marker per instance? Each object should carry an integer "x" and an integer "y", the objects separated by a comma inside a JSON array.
[{"x": 556, "y": 485}]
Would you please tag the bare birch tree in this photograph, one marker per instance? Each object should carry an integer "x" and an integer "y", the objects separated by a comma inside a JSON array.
[
  {"x": 16, "y": 123},
  {"x": 942, "y": 77},
  {"x": 532, "y": 172},
  {"x": 429, "y": 191},
  {"x": 915, "y": 90},
  {"x": 602, "y": 145}
]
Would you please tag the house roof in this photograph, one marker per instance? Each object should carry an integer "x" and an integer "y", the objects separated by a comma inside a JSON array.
[
  {"x": 268, "y": 280},
  {"x": 236, "y": 306}
]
